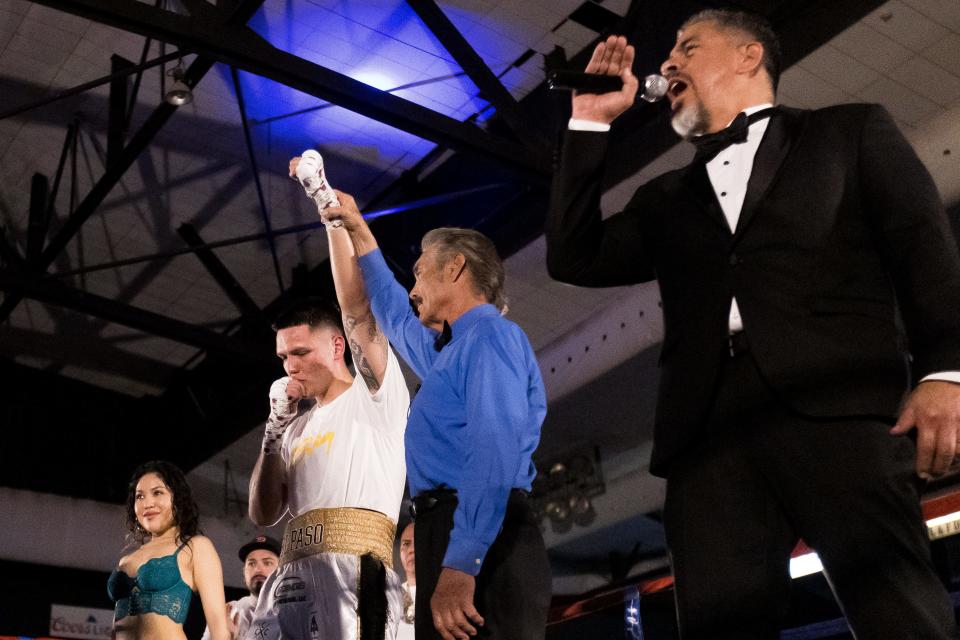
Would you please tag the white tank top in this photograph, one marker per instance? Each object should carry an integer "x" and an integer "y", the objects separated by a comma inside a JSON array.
[{"x": 349, "y": 453}]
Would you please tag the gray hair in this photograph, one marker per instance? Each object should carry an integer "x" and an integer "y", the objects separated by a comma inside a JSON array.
[
  {"x": 481, "y": 257},
  {"x": 754, "y": 25}
]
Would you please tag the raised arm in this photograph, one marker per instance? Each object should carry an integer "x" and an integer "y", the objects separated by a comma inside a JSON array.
[
  {"x": 208, "y": 582},
  {"x": 612, "y": 57},
  {"x": 367, "y": 343},
  {"x": 581, "y": 248},
  {"x": 388, "y": 299}
]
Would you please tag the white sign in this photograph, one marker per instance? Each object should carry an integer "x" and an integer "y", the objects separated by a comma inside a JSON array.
[
  {"x": 80, "y": 622},
  {"x": 943, "y": 526}
]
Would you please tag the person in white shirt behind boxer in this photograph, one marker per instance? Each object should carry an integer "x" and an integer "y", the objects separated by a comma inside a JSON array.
[
  {"x": 259, "y": 557},
  {"x": 332, "y": 458}
]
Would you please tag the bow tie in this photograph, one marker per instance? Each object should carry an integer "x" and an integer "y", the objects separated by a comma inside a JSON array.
[
  {"x": 709, "y": 145},
  {"x": 443, "y": 338}
]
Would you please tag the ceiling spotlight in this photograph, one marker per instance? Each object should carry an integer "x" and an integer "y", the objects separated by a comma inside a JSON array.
[{"x": 179, "y": 93}]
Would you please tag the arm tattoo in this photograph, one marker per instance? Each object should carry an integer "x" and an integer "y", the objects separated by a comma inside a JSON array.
[
  {"x": 349, "y": 324},
  {"x": 363, "y": 366},
  {"x": 374, "y": 338},
  {"x": 373, "y": 332}
]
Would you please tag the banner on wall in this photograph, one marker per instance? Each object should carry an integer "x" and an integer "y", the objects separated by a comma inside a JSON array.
[{"x": 80, "y": 622}]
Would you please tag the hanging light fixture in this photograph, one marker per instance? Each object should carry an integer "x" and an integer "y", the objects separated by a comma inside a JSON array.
[
  {"x": 179, "y": 92},
  {"x": 564, "y": 493}
]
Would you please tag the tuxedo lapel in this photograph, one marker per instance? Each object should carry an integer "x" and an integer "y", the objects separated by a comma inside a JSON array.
[
  {"x": 776, "y": 144},
  {"x": 696, "y": 185}
]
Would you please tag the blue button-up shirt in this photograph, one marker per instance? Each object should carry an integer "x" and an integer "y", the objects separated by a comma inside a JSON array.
[{"x": 476, "y": 420}]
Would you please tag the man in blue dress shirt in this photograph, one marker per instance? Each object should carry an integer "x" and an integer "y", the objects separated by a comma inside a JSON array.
[{"x": 473, "y": 426}]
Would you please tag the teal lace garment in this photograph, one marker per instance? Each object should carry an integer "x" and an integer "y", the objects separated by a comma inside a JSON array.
[{"x": 157, "y": 588}]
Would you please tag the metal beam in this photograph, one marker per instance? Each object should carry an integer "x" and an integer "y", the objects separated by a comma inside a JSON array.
[
  {"x": 137, "y": 144},
  {"x": 203, "y": 9},
  {"x": 243, "y": 12},
  {"x": 117, "y": 108},
  {"x": 86, "y": 86},
  {"x": 8, "y": 253},
  {"x": 135, "y": 91},
  {"x": 252, "y": 157},
  {"x": 234, "y": 290},
  {"x": 68, "y": 145},
  {"x": 298, "y": 228},
  {"x": 470, "y": 61},
  {"x": 327, "y": 105},
  {"x": 244, "y": 49},
  {"x": 37, "y": 222},
  {"x": 88, "y": 351},
  {"x": 52, "y": 292},
  {"x": 140, "y": 141}
]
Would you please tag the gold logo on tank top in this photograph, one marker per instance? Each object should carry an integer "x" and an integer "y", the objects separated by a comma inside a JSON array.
[{"x": 308, "y": 445}]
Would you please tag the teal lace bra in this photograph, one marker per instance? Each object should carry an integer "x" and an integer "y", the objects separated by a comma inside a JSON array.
[{"x": 157, "y": 588}]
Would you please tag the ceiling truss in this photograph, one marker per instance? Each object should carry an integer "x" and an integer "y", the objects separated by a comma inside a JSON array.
[{"x": 221, "y": 35}]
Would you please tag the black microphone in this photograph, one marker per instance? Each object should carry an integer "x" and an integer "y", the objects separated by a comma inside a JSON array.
[
  {"x": 654, "y": 85},
  {"x": 563, "y": 80}
]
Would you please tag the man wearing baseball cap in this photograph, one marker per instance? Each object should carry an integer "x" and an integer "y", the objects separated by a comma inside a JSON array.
[{"x": 259, "y": 557}]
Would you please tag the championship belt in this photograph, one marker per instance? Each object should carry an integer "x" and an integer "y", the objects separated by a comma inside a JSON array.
[{"x": 343, "y": 530}]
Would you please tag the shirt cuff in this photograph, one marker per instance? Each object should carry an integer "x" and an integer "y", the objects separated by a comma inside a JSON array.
[
  {"x": 578, "y": 124},
  {"x": 944, "y": 376},
  {"x": 375, "y": 270},
  {"x": 465, "y": 555}
]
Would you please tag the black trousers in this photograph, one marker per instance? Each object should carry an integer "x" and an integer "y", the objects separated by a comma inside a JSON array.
[
  {"x": 762, "y": 477},
  {"x": 513, "y": 587}
]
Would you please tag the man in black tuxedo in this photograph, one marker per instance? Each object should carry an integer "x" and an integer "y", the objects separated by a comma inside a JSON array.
[{"x": 787, "y": 255}]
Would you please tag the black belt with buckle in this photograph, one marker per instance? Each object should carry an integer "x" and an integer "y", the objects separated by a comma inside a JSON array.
[
  {"x": 737, "y": 343},
  {"x": 427, "y": 500}
]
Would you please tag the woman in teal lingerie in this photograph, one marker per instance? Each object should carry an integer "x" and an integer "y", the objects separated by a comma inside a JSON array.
[{"x": 152, "y": 586}]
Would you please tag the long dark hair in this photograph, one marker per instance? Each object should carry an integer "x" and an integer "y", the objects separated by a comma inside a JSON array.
[{"x": 186, "y": 515}]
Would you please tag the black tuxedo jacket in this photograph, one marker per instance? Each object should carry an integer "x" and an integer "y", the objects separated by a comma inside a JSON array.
[{"x": 841, "y": 236}]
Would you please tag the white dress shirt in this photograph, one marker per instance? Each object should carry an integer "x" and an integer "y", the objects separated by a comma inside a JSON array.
[{"x": 729, "y": 173}]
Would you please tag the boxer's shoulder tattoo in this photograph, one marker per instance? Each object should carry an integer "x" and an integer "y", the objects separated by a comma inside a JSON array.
[
  {"x": 373, "y": 332},
  {"x": 374, "y": 337},
  {"x": 363, "y": 366}
]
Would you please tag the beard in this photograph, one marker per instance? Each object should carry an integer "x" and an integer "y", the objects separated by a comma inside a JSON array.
[
  {"x": 692, "y": 119},
  {"x": 256, "y": 585}
]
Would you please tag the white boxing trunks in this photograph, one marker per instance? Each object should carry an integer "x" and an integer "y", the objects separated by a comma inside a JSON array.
[{"x": 332, "y": 583}]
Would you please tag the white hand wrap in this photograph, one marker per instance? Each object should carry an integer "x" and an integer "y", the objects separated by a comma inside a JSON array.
[
  {"x": 311, "y": 175},
  {"x": 283, "y": 409}
]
